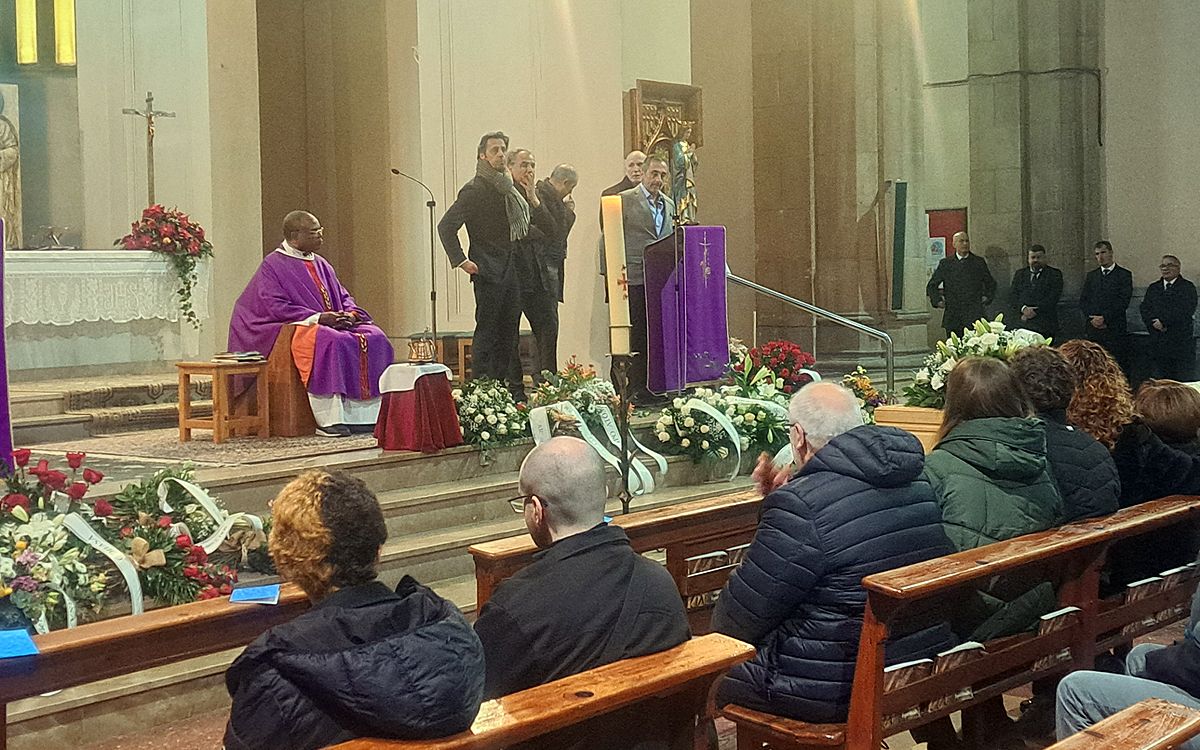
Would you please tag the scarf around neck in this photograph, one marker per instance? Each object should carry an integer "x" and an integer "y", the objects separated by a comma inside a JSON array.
[{"x": 515, "y": 205}]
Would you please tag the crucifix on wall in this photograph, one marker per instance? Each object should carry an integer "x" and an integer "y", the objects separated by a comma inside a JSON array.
[{"x": 150, "y": 114}]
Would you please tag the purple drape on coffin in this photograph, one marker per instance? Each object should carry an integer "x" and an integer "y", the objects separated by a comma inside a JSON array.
[
  {"x": 6, "y": 438},
  {"x": 687, "y": 333},
  {"x": 281, "y": 292}
]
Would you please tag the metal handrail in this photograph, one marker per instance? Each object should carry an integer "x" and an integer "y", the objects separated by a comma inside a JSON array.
[{"x": 889, "y": 347}]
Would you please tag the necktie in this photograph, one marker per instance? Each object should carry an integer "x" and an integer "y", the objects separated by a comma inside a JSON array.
[
  {"x": 1036, "y": 274},
  {"x": 1106, "y": 271}
]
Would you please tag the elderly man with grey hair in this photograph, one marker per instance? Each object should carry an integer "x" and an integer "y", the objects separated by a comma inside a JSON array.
[
  {"x": 587, "y": 599},
  {"x": 856, "y": 505}
]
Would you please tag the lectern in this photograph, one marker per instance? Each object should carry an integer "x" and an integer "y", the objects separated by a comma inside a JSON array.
[{"x": 687, "y": 333}]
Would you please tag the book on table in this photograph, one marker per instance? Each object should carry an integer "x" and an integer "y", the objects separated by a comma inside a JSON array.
[{"x": 238, "y": 357}]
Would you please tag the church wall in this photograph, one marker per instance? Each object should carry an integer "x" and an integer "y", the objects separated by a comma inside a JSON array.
[
  {"x": 1151, "y": 134},
  {"x": 943, "y": 60},
  {"x": 545, "y": 72},
  {"x": 726, "y": 188}
]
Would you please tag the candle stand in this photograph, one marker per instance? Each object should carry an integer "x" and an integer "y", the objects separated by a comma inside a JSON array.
[{"x": 620, "y": 378}]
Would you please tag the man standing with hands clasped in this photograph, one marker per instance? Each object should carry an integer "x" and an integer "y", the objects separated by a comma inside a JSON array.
[
  {"x": 1104, "y": 299},
  {"x": 1168, "y": 310},
  {"x": 963, "y": 285},
  {"x": 1034, "y": 295}
]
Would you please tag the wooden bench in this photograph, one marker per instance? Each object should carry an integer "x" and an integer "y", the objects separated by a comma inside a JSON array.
[
  {"x": 883, "y": 704},
  {"x": 124, "y": 645},
  {"x": 681, "y": 678},
  {"x": 1150, "y": 725},
  {"x": 702, "y": 538}
]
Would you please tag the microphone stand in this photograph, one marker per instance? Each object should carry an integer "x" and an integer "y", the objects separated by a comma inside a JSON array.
[{"x": 431, "y": 204}]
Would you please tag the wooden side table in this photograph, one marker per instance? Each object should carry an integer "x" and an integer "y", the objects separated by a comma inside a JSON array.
[{"x": 223, "y": 421}]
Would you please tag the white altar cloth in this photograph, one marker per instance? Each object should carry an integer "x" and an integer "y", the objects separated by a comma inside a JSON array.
[{"x": 63, "y": 287}]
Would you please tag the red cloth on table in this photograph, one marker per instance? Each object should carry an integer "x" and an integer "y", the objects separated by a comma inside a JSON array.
[{"x": 423, "y": 419}]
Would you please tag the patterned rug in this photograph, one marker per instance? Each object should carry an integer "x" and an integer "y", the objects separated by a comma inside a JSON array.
[{"x": 164, "y": 445}]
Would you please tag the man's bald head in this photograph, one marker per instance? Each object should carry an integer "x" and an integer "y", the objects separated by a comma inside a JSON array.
[
  {"x": 824, "y": 410},
  {"x": 303, "y": 231},
  {"x": 568, "y": 475},
  {"x": 633, "y": 165}
]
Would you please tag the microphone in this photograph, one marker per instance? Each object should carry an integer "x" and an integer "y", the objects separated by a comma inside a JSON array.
[{"x": 432, "y": 200}]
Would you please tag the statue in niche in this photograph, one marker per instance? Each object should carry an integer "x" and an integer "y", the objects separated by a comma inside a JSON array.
[
  {"x": 683, "y": 176},
  {"x": 10, "y": 178}
]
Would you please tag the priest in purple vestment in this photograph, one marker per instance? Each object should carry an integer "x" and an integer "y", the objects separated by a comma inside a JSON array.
[{"x": 339, "y": 353}]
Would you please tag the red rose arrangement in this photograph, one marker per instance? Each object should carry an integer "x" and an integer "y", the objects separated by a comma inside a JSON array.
[
  {"x": 32, "y": 488},
  {"x": 181, "y": 241},
  {"x": 785, "y": 360}
]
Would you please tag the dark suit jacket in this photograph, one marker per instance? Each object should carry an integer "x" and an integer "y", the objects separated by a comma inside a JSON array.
[
  {"x": 1043, "y": 294},
  {"x": 555, "y": 249},
  {"x": 1174, "y": 307},
  {"x": 481, "y": 208},
  {"x": 1108, "y": 296},
  {"x": 966, "y": 286},
  {"x": 535, "y": 272}
]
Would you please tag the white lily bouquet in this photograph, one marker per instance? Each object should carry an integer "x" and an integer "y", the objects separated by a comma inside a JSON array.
[
  {"x": 488, "y": 415},
  {"x": 984, "y": 339}
]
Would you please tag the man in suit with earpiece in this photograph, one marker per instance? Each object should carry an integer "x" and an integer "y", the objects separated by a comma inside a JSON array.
[{"x": 649, "y": 215}]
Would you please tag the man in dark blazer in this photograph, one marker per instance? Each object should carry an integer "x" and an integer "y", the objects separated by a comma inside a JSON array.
[
  {"x": 490, "y": 207},
  {"x": 1104, "y": 300},
  {"x": 648, "y": 215},
  {"x": 1168, "y": 310},
  {"x": 1034, "y": 295},
  {"x": 963, "y": 285}
]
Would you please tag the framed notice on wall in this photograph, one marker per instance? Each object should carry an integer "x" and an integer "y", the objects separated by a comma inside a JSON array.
[{"x": 943, "y": 224}]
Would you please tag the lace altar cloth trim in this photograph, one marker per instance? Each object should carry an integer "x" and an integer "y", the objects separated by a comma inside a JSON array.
[{"x": 61, "y": 287}]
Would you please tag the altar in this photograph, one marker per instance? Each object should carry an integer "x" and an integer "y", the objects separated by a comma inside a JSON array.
[{"x": 97, "y": 308}]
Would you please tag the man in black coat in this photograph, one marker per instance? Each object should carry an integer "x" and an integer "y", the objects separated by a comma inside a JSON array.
[
  {"x": 1104, "y": 299},
  {"x": 633, "y": 174},
  {"x": 963, "y": 285},
  {"x": 1034, "y": 294},
  {"x": 496, "y": 216},
  {"x": 586, "y": 600},
  {"x": 1168, "y": 310}
]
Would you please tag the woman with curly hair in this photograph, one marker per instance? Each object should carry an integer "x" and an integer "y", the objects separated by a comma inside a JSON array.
[
  {"x": 365, "y": 660},
  {"x": 1103, "y": 404}
]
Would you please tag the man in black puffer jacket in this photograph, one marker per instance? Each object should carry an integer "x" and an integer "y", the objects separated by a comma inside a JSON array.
[
  {"x": 1081, "y": 466},
  {"x": 364, "y": 661},
  {"x": 856, "y": 506}
]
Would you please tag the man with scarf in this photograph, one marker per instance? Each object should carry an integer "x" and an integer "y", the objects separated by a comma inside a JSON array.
[{"x": 497, "y": 217}]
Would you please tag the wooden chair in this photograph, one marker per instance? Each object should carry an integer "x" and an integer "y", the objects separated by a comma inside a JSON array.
[
  {"x": 687, "y": 531},
  {"x": 1150, "y": 725},
  {"x": 678, "y": 681},
  {"x": 883, "y": 704},
  {"x": 290, "y": 412}
]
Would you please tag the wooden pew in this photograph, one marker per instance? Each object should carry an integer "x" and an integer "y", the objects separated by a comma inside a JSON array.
[
  {"x": 124, "y": 645},
  {"x": 684, "y": 675},
  {"x": 1150, "y": 725},
  {"x": 686, "y": 531},
  {"x": 882, "y": 705}
]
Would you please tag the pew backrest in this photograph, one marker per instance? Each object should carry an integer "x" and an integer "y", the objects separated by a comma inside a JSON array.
[
  {"x": 689, "y": 669},
  {"x": 702, "y": 540},
  {"x": 1152, "y": 724}
]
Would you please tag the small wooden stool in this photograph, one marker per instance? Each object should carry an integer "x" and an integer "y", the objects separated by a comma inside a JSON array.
[{"x": 223, "y": 420}]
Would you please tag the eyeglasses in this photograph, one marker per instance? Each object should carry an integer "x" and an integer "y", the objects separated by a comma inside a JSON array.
[{"x": 518, "y": 503}]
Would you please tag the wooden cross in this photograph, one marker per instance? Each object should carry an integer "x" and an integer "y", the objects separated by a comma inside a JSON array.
[{"x": 150, "y": 114}]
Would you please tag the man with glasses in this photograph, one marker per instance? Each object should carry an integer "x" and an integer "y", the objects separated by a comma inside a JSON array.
[
  {"x": 1168, "y": 310},
  {"x": 338, "y": 351},
  {"x": 587, "y": 599}
]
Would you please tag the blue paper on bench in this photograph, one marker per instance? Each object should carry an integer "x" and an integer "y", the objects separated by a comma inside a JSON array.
[
  {"x": 14, "y": 643},
  {"x": 256, "y": 594}
]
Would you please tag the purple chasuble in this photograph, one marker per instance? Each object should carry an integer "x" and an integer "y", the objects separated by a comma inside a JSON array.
[{"x": 282, "y": 291}]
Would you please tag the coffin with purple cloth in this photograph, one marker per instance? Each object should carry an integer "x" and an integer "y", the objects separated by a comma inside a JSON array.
[{"x": 687, "y": 335}]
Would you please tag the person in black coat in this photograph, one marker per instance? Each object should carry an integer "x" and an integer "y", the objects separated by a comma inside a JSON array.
[
  {"x": 364, "y": 661},
  {"x": 1081, "y": 467},
  {"x": 858, "y": 505},
  {"x": 496, "y": 217},
  {"x": 963, "y": 285},
  {"x": 1168, "y": 310},
  {"x": 1034, "y": 294},
  {"x": 1104, "y": 300}
]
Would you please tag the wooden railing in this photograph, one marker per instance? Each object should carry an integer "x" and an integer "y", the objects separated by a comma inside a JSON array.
[{"x": 1073, "y": 555}]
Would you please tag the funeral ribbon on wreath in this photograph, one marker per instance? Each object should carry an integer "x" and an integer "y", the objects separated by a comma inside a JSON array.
[
  {"x": 639, "y": 479},
  {"x": 225, "y": 521}
]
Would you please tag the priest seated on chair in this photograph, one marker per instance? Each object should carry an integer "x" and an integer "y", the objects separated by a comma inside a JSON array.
[{"x": 338, "y": 352}]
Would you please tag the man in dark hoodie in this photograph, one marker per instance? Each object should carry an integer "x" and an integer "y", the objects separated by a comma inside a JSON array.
[
  {"x": 1154, "y": 671},
  {"x": 364, "y": 661},
  {"x": 857, "y": 505}
]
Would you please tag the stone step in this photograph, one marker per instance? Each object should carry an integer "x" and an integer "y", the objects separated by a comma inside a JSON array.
[
  {"x": 23, "y": 404},
  {"x": 50, "y": 428},
  {"x": 142, "y": 417}
]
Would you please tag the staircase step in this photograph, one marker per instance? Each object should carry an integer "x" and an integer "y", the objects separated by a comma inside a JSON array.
[
  {"x": 50, "y": 428},
  {"x": 142, "y": 417},
  {"x": 23, "y": 404}
]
